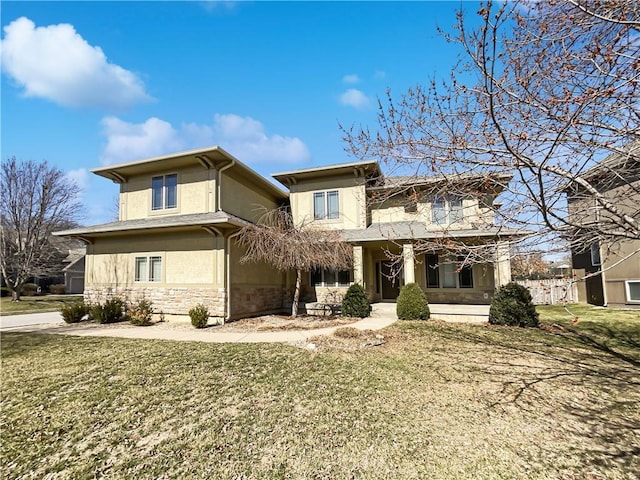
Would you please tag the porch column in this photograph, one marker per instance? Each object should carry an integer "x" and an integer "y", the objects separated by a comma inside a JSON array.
[
  {"x": 502, "y": 265},
  {"x": 409, "y": 261},
  {"x": 358, "y": 269}
]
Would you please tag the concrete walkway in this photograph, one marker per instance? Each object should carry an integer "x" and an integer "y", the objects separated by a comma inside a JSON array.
[
  {"x": 380, "y": 318},
  {"x": 383, "y": 315}
]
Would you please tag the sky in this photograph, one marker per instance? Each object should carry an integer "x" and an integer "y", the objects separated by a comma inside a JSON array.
[{"x": 88, "y": 84}]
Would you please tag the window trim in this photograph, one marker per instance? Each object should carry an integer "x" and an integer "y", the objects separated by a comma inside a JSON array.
[
  {"x": 327, "y": 213},
  {"x": 164, "y": 195},
  {"x": 147, "y": 276},
  {"x": 627, "y": 291}
]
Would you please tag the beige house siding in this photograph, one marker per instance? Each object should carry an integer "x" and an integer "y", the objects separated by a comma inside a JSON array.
[
  {"x": 351, "y": 197},
  {"x": 240, "y": 199},
  {"x": 393, "y": 210}
]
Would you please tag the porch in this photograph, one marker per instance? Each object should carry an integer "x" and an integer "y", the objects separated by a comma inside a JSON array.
[{"x": 441, "y": 311}]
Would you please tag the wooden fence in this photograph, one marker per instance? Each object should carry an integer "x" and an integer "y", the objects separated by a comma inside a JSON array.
[{"x": 551, "y": 291}]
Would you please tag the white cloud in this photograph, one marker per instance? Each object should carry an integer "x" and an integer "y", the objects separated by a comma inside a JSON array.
[
  {"x": 56, "y": 63},
  {"x": 353, "y": 78},
  {"x": 80, "y": 177},
  {"x": 135, "y": 141},
  {"x": 379, "y": 75},
  {"x": 243, "y": 137},
  {"x": 354, "y": 98}
]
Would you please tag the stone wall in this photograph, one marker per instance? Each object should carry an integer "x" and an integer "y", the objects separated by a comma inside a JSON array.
[
  {"x": 168, "y": 300},
  {"x": 248, "y": 300}
]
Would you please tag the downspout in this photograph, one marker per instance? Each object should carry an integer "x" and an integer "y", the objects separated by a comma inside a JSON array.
[
  {"x": 229, "y": 165},
  {"x": 227, "y": 288}
]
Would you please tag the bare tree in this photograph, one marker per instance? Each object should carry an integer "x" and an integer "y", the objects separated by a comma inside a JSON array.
[
  {"x": 544, "y": 91},
  {"x": 277, "y": 240},
  {"x": 35, "y": 200}
]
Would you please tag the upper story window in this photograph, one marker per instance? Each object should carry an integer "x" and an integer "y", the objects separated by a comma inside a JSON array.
[
  {"x": 326, "y": 205},
  {"x": 164, "y": 192},
  {"x": 446, "y": 210}
]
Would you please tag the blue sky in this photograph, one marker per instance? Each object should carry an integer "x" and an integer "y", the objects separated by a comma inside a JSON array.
[{"x": 85, "y": 84}]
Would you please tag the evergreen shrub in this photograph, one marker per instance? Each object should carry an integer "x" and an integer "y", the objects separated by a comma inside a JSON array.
[
  {"x": 512, "y": 305},
  {"x": 199, "y": 316},
  {"x": 412, "y": 303},
  {"x": 74, "y": 312},
  {"x": 356, "y": 302}
]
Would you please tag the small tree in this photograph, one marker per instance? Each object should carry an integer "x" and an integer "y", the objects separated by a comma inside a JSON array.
[
  {"x": 355, "y": 302},
  {"x": 412, "y": 303},
  {"x": 277, "y": 240},
  {"x": 35, "y": 200}
]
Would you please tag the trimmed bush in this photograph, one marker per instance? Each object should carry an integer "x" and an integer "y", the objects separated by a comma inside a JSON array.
[
  {"x": 29, "y": 289},
  {"x": 113, "y": 310},
  {"x": 512, "y": 305},
  {"x": 356, "y": 302},
  {"x": 141, "y": 312},
  {"x": 412, "y": 303},
  {"x": 74, "y": 312},
  {"x": 57, "y": 288},
  {"x": 199, "y": 316}
]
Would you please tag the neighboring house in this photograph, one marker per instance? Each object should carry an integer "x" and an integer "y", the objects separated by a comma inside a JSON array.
[
  {"x": 608, "y": 273},
  {"x": 179, "y": 215},
  {"x": 74, "y": 271}
]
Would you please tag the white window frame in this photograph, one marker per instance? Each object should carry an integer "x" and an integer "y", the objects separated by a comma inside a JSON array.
[
  {"x": 628, "y": 291},
  {"x": 447, "y": 209},
  {"x": 164, "y": 196},
  {"x": 326, "y": 214},
  {"x": 147, "y": 276}
]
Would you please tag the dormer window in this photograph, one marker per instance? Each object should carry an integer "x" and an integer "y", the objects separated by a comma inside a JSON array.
[
  {"x": 164, "y": 192},
  {"x": 446, "y": 210},
  {"x": 326, "y": 205}
]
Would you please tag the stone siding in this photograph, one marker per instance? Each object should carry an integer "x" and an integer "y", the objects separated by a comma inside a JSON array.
[
  {"x": 248, "y": 300},
  {"x": 168, "y": 300}
]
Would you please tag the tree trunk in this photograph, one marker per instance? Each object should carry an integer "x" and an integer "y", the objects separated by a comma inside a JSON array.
[
  {"x": 15, "y": 295},
  {"x": 296, "y": 294}
]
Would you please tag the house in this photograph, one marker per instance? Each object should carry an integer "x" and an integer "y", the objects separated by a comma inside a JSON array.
[
  {"x": 608, "y": 271},
  {"x": 174, "y": 241},
  {"x": 74, "y": 271}
]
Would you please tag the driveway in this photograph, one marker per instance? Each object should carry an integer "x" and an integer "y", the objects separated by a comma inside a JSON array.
[{"x": 29, "y": 319}]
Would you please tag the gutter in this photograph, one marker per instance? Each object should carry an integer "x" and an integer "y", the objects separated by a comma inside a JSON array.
[
  {"x": 227, "y": 288},
  {"x": 229, "y": 165}
]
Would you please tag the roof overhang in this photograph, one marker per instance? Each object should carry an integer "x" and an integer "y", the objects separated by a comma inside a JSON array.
[
  {"x": 208, "y": 221},
  {"x": 368, "y": 168}
]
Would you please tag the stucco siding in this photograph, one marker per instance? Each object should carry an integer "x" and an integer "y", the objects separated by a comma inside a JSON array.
[{"x": 243, "y": 200}]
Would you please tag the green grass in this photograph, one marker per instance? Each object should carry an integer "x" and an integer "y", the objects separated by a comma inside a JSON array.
[
  {"x": 437, "y": 401},
  {"x": 46, "y": 303}
]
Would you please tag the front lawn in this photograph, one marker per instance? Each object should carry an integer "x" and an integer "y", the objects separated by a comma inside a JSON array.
[
  {"x": 45, "y": 303},
  {"x": 436, "y": 401}
]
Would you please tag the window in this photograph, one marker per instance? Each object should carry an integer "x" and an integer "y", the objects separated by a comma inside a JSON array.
[
  {"x": 327, "y": 277},
  {"x": 595, "y": 255},
  {"x": 633, "y": 290},
  {"x": 465, "y": 275},
  {"x": 148, "y": 269},
  {"x": 326, "y": 205},
  {"x": 433, "y": 272},
  {"x": 446, "y": 210},
  {"x": 452, "y": 275},
  {"x": 164, "y": 191}
]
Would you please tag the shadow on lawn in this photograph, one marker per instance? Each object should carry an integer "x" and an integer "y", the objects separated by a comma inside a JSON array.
[{"x": 573, "y": 378}]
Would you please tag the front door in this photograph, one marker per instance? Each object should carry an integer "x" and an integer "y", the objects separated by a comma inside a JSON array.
[{"x": 391, "y": 278}]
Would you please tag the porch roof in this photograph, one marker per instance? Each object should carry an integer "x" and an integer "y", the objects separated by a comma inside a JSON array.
[
  {"x": 418, "y": 230},
  {"x": 169, "y": 221}
]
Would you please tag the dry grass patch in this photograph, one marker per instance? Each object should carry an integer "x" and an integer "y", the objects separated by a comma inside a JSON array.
[
  {"x": 437, "y": 401},
  {"x": 283, "y": 322}
]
